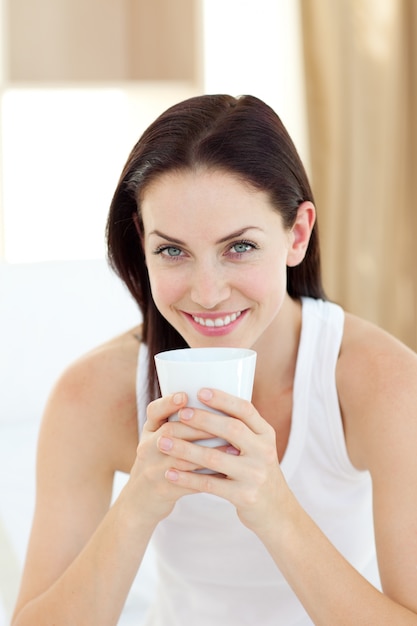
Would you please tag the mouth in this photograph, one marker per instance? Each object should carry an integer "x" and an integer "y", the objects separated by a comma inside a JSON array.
[{"x": 216, "y": 322}]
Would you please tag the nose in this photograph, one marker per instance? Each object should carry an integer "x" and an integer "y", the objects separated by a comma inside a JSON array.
[{"x": 209, "y": 286}]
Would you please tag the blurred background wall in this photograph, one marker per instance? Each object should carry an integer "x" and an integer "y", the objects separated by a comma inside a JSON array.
[
  {"x": 81, "y": 80},
  {"x": 361, "y": 84}
]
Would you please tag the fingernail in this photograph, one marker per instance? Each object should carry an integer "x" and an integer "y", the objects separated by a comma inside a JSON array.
[
  {"x": 165, "y": 443},
  {"x": 205, "y": 394},
  {"x": 186, "y": 414},
  {"x": 178, "y": 398},
  {"x": 171, "y": 474},
  {"x": 232, "y": 450}
]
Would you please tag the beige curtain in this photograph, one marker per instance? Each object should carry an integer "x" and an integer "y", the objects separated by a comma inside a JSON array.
[{"x": 361, "y": 80}]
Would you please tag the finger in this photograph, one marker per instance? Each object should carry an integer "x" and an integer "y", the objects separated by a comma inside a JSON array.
[
  {"x": 215, "y": 459},
  {"x": 165, "y": 445},
  {"x": 216, "y": 484},
  {"x": 181, "y": 430},
  {"x": 235, "y": 407},
  {"x": 225, "y": 427},
  {"x": 158, "y": 411}
]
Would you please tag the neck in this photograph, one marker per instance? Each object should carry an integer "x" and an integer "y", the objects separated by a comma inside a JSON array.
[{"x": 277, "y": 351}]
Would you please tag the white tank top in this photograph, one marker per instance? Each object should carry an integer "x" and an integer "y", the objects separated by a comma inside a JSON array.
[{"x": 212, "y": 570}]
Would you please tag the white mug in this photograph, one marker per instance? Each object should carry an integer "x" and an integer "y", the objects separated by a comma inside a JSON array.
[{"x": 190, "y": 369}]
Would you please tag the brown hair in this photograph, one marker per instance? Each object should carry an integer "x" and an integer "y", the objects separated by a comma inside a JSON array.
[{"x": 243, "y": 136}]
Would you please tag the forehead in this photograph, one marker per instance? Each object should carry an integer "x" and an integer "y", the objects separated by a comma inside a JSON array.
[{"x": 193, "y": 194}]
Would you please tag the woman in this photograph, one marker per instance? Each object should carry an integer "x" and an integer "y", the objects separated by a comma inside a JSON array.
[{"x": 212, "y": 228}]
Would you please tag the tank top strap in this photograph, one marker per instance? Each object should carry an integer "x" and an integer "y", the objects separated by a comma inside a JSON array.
[
  {"x": 142, "y": 384},
  {"x": 321, "y": 335}
]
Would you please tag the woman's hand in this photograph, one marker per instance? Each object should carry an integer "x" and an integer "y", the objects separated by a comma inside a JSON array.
[
  {"x": 152, "y": 466},
  {"x": 247, "y": 471}
]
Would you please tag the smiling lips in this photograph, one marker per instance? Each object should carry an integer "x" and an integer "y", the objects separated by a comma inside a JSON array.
[{"x": 216, "y": 322}]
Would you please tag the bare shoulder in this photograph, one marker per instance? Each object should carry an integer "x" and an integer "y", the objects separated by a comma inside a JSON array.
[
  {"x": 364, "y": 341},
  {"x": 377, "y": 386},
  {"x": 97, "y": 393}
]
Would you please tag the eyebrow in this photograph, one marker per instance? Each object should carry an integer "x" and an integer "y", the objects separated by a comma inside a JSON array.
[{"x": 238, "y": 233}]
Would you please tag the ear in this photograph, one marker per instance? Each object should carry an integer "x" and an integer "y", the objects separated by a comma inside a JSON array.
[{"x": 300, "y": 233}]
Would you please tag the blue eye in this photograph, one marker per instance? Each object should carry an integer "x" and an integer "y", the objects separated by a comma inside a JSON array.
[
  {"x": 242, "y": 247},
  {"x": 171, "y": 251}
]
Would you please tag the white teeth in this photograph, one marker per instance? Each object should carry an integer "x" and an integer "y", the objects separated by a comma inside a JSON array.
[{"x": 218, "y": 321}]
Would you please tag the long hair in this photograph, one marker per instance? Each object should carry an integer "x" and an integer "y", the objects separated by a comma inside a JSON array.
[{"x": 243, "y": 136}]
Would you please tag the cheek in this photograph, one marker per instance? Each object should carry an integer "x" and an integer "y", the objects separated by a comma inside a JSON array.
[
  {"x": 165, "y": 287},
  {"x": 266, "y": 283}
]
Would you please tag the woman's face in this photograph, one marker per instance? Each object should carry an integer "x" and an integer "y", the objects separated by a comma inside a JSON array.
[{"x": 216, "y": 253}]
